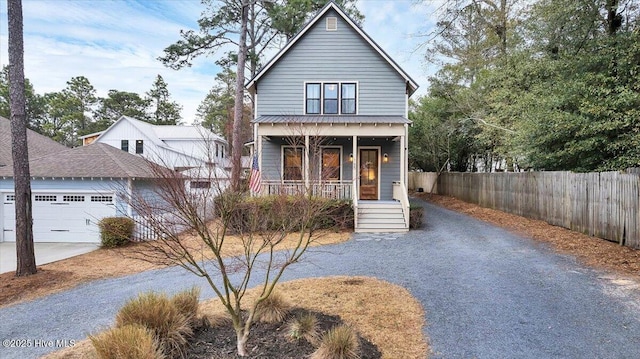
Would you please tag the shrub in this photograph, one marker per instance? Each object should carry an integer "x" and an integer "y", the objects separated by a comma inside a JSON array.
[
  {"x": 340, "y": 342},
  {"x": 416, "y": 214},
  {"x": 157, "y": 313},
  {"x": 245, "y": 214},
  {"x": 187, "y": 303},
  {"x": 305, "y": 327},
  {"x": 126, "y": 342},
  {"x": 273, "y": 309},
  {"x": 115, "y": 231}
]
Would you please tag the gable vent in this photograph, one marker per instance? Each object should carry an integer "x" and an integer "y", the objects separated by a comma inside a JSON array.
[{"x": 332, "y": 23}]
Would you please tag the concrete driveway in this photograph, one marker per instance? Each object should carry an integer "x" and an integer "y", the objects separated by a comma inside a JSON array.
[
  {"x": 44, "y": 252},
  {"x": 487, "y": 293}
]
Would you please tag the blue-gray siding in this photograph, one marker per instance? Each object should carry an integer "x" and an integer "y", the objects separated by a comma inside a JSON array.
[{"x": 341, "y": 55}]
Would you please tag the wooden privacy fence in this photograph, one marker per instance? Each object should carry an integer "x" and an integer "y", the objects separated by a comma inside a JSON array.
[{"x": 606, "y": 204}]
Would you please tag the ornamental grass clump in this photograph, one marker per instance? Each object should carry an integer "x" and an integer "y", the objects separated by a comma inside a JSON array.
[
  {"x": 304, "y": 327},
  {"x": 157, "y": 313},
  {"x": 131, "y": 341},
  {"x": 340, "y": 342},
  {"x": 273, "y": 309},
  {"x": 187, "y": 302}
]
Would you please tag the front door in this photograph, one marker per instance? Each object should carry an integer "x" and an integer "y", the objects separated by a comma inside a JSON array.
[{"x": 369, "y": 173}]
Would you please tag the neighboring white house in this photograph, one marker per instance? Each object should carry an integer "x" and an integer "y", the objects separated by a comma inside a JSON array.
[
  {"x": 73, "y": 188},
  {"x": 177, "y": 147}
]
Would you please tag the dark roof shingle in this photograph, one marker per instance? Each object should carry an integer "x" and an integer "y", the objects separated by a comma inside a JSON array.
[
  {"x": 38, "y": 144},
  {"x": 95, "y": 160}
]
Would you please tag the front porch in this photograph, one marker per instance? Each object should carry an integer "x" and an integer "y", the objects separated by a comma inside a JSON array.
[{"x": 365, "y": 163}]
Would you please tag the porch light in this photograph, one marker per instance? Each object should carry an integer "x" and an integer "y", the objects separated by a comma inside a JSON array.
[
  {"x": 385, "y": 158},
  {"x": 351, "y": 157}
]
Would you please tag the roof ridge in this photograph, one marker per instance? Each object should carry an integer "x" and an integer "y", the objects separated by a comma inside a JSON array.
[{"x": 105, "y": 148}]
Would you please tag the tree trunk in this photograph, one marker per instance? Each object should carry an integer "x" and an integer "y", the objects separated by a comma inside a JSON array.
[
  {"x": 236, "y": 147},
  {"x": 241, "y": 346},
  {"x": 26, "y": 261}
]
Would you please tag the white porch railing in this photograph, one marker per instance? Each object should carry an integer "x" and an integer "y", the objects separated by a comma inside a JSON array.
[
  {"x": 400, "y": 194},
  {"x": 328, "y": 189}
]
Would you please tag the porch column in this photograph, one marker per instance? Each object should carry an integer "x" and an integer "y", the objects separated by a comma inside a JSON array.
[
  {"x": 354, "y": 166},
  {"x": 306, "y": 162},
  {"x": 257, "y": 149},
  {"x": 403, "y": 157}
]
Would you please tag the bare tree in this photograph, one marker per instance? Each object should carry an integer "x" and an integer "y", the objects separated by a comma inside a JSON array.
[
  {"x": 192, "y": 228},
  {"x": 26, "y": 261}
]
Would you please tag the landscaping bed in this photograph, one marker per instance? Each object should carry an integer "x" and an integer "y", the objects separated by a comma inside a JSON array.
[{"x": 267, "y": 340}]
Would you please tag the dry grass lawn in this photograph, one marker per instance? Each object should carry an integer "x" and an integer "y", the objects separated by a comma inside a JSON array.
[
  {"x": 384, "y": 313},
  {"x": 109, "y": 263}
]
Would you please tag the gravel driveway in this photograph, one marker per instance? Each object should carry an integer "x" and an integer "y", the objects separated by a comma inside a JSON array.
[{"x": 487, "y": 293}]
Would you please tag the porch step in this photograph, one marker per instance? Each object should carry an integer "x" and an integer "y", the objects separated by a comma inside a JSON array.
[{"x": 381, "y": 216}]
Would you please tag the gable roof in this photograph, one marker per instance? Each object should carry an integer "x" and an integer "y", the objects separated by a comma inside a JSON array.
[
  {"x": 160, "y": 133},
  {"x": 95, "y": 160},
  {"x": 413, "y": 86},
  {"x": 38, "y": 144}
]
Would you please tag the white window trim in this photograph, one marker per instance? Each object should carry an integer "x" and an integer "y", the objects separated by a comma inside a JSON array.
[
  {"x": 339, "y": 147},
  {"x": 303, "y": 170},
  {"x": 304, "y": 97}
]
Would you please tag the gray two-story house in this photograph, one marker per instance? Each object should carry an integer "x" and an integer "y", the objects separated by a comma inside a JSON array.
[{"x": 331, "y": 117}]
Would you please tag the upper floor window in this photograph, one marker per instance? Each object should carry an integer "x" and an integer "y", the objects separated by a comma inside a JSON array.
[
  {"x": 330, "y": 98},
  {"x": 313, "y": 98},
  {"x": 348, "y": 93},
  {"x": 124, "y": 145},
  {"x": 139, "y": 146}
]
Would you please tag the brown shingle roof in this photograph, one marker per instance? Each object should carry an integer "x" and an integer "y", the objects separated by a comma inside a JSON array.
[
  {"x": 95, "y": 160},
  {"x": 39, "y": 145}
]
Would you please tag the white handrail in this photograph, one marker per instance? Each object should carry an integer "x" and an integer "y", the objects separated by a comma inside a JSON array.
[{"x": 400, "y": 194}]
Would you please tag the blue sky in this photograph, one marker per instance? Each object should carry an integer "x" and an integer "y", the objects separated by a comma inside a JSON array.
[{"x": 115, "y": 44}]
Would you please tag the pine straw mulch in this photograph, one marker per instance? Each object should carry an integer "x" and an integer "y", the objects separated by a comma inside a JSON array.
[
  {"x": 592, "y": 251},
  {"x": 108, "y": 263},
  {"x": 385, "y": 314}
]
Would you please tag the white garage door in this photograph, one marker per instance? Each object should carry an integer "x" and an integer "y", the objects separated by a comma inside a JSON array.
[{"x": 61, "y": 217}]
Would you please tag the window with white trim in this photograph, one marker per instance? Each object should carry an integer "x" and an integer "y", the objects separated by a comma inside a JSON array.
[
  {"x": 11, "y": 198},
  {"x": 72, "y": 198},
  {"x": 348, "y": 98},
  {"x": 331, "y": 163},
  {"x": 292, "y": 163},
  {"x": 45, "y": 198},
  {"x": 330, "y": 98},
  {"x": 313, "y": 99}
]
